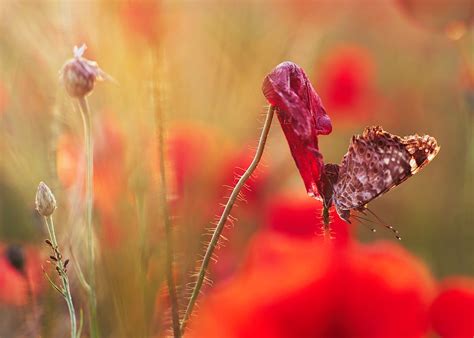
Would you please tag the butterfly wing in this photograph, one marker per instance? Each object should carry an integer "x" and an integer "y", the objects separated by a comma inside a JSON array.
[{"x": 376, "y": 162}]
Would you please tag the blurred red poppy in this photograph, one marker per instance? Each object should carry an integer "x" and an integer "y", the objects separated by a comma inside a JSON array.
[
  {"x": 347, "y": 82},
  {"x": 142, "y": 18},
  {"x": 109, "y": 162},
  {"x": 452, "y": 312},
  {"x": 300, "y": 217},
  {"x": 302, "y": 118},
  {"x": 110, "y": 176},
  {"x": 19, "y": 283},
  {"x": 294, "y": 288}
]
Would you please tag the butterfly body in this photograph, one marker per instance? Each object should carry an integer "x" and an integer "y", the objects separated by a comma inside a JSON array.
[{"x": 375, "y": 162}]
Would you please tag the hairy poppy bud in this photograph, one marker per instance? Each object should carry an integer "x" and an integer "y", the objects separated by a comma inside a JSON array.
[
  {"x": 45, "y": 201},
  {"x": 79, "y": 74}
]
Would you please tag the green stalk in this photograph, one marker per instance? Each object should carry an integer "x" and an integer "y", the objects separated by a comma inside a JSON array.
[
  {"x": 225, "y": 215},
  {"x": 167, "y": 223},
  {"x": 89, "y": 153},
  {"x": 66, "y": 291}
]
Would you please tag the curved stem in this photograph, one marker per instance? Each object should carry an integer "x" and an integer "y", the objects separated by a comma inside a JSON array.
[
  {"x": 225, "y": 215},
  {"x": 89, "y": 153}
]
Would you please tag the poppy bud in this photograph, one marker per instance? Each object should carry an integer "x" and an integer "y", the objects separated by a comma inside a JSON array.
[
  {"x": 45, "y": 201},
  {"x": 79, "y": 74}
]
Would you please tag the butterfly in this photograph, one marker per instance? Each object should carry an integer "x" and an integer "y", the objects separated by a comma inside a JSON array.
[{"x": 375, "y": 162}]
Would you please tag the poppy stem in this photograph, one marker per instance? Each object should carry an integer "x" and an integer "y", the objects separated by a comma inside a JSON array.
[
  {"x": 89, "y": 154},
  {"x": 224, "y": 217},
  {"x": 326, "y": 221}
]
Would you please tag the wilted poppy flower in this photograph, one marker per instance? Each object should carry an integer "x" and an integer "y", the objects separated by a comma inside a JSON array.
[
  {"x": 347, "y": 82},
  {"x": 302, "y": 118},
  {"x": 293, "y": 288},
  {"x": 300, "y": 217},
  {"x": 20, "y": 274},
  {"x": 79, "y": 74},
  {"x": 452, "y": 312}
]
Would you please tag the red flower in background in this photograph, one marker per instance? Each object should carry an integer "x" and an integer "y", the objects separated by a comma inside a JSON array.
[
  {"x": 110, "y": 177},
  {"x": 300, "y": 217},
  {"x": 142, "y": 18},
  {"x": 20, "y": 275},
  {"x": 347, "y": 82},
  {"x": 294, "y": 288},
  {"x": 302, "y": 118},
  {"x": 109, "y": 162},
  {"x": 452, "y": 312}
]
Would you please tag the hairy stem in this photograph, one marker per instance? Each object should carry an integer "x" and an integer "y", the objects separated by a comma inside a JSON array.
[
  {"x": 225, "y": 215},
  {"x": 89, "y": 153},
  {"x": 326, "y": 221},
  {"x": 66, "y": 291},
  {"x": 166, "y": 218}
]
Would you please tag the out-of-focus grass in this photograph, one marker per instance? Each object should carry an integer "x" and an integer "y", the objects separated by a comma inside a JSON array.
[{"x": 216, "y": 55}]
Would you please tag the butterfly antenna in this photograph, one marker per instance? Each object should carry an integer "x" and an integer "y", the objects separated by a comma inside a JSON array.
[
  {"x": 360, "y": 219},
  {"x": 388, "y": 226}
]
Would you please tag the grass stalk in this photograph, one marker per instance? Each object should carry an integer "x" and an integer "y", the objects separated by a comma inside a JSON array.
[
  {"x": 224, "y": 217},
  {"x": 61, "y": 270},
  {"x": 89, "y": 154},
  {"x": 167, "y": 221}
]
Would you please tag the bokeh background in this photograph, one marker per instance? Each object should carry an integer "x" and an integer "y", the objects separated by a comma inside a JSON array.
[{"x": 407, "y": 65}]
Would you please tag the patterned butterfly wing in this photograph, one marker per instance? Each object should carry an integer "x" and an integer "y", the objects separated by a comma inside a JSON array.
[{"x": 376, "y": 162}]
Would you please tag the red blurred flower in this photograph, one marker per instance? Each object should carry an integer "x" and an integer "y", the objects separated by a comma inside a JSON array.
[
  {"x": 18, "y": 281},
  {"x": 300, "y": 217},
  {"x": 109, "y": 162},
  {"x": 294, "y": 288},
  {"x": 142, "y": 18},
  {"x": 302, "y": 118},
  {"x": 188, "y": 150},
  {"x": 110, "y": 176},
  {"x": 452, "y": 312},
  {"x": 347, "y": 81}
]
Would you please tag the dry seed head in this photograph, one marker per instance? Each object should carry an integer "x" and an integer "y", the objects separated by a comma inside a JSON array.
[
  {"x": 45, "y": 201},
  {"x": 79, "y": 74}
]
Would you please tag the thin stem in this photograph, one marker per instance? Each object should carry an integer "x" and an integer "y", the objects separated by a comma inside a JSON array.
[
  {"x": 66, "y": 291},
  {"x": 168, "y": 228},
  {"x": 326, "y": 221},
  {"x": 225, "y": 215},
  {"x": 89, "y": 153}
]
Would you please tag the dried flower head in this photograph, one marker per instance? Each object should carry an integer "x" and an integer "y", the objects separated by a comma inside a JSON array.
[
  {"x": 302, "y": 118},
  {"x": 45, "y": 201},
  {"x": 79, "y": 74}
]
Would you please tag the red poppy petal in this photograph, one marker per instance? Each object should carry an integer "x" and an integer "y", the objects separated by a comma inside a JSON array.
[{"x": 452, "y": 311}]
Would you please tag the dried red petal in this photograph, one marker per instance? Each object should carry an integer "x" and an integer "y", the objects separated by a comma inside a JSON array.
[{"x": 302, "y": 118}]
